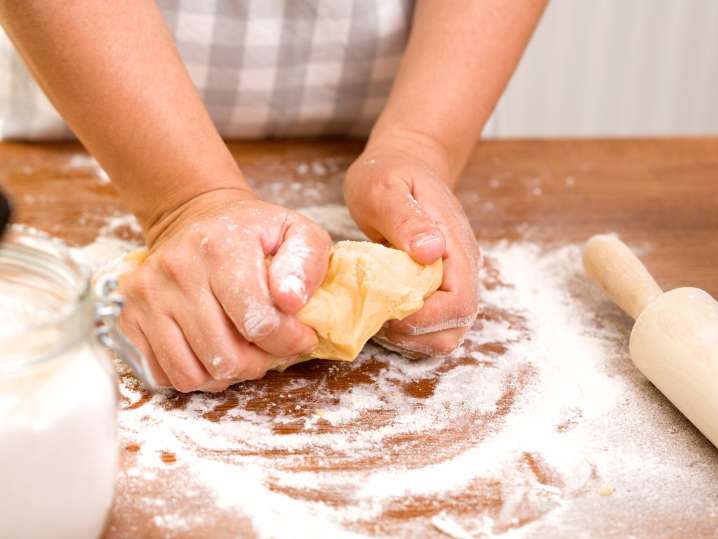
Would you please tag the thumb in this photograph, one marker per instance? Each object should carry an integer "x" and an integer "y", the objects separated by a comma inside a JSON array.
[
  {"x": 299, "y": 266},
  {"x": 405, "y": 224}
]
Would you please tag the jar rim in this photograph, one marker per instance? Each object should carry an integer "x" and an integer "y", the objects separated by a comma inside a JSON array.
[{"x": 51, "y": 259}]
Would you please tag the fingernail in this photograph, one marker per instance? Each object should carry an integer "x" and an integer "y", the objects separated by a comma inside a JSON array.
[
  {"x": 292, "y": 284},
  {"x": 427, "y": 240}
]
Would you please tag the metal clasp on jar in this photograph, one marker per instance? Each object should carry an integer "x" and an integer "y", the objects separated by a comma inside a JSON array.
[{"x": 107, "y": 311}]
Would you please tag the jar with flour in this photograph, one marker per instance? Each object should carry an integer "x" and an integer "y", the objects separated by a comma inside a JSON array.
[{"x": 58, "y": 396}]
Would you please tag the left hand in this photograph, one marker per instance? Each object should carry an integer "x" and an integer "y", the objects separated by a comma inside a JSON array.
[{"x": 396, "y": 194}]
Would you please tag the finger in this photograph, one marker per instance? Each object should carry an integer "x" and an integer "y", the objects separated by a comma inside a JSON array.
[
  {"x": 400, "y": 219},
  {"x": 441, "y": 312},
  {"x": 215, "y": 341},
  {"x": 177, "y": 289},
  {"x": 435, "y": 344},
  {"x": 299, "y": 265},
  {"x": 454, "y": 305},
  {"x": 133, "y": 332},
  {"x": 174, "y": 355},
  {"x": 244, "y": 295}
]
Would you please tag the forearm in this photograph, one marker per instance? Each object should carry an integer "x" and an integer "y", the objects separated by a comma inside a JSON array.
[
  {"x": 459, "y": 58},
  {"x": 112, "y": 70}
]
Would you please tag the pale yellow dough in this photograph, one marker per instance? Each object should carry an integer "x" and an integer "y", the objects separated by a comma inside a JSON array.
[{"x": 366, "y": 285}]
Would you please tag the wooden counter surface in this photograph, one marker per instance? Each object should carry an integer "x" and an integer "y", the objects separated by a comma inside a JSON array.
[{"x": 659, "y": 195}]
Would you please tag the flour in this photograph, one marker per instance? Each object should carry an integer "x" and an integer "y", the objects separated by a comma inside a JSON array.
[
  {"x": 335, "y": 218},
  {"x": 59, "y": 448},
  {"x": 81, "y": 161},
  {"x": 450, "y": 527},
  {"x": 521, "y": 432},
  {"x": 120, "y": 226}
]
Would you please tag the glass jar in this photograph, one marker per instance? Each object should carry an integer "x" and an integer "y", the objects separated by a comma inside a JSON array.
[{"x": 58, "y": 393}]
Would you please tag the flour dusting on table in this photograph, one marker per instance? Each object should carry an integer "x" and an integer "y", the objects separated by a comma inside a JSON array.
[
  {"x": 82, "y": 161},
  {"x": 536, "y": 422}
]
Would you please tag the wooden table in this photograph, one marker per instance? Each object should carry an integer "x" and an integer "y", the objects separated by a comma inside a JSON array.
[{"x": 661, "y": 194}]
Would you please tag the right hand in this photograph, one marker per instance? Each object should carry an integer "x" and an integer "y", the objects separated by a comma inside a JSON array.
[{"x": 206, "y": 309}]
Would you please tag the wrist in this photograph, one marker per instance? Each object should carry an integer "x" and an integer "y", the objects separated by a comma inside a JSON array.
[
  {"x": 419, "y": 147},
  {"x": 195, "y": 205},
  {"x": 153, "y": 195}
]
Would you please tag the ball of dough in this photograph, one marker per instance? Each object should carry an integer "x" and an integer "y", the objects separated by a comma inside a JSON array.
[{"x": 366, "y": 285}]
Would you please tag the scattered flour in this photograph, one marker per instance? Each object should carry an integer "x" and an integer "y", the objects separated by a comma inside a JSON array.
[
  {"x": 335, "y": 218},
  {"x": 121, "y": 226},
  {"x": 321, "y": 181},
  {"x": 450, "y": 527},
  {"x": 515, "y": 434},
  {"x": 81, "y": 161}
]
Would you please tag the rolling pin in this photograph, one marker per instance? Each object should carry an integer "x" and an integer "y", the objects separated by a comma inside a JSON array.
[{"x": 674, "y": 341}]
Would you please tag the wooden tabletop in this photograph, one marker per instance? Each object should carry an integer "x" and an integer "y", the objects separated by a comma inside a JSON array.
[{"x": 659, "y": 195}]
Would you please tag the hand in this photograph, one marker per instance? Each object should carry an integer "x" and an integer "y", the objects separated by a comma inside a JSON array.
[
  {"x": 395, "y": 193},
  {"x": 205, "y": 308}
]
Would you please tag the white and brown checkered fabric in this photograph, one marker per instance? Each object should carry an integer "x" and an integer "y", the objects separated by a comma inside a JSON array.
[{"x": 263, "y": 67}]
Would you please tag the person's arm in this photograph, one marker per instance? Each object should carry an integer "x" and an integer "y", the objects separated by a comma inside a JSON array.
[
  {"x": 204, "y": 308},
  {"x": 458, "y": 61},
  {"x": 459, "y": 57},
  {"x": 112, "y": 69}
]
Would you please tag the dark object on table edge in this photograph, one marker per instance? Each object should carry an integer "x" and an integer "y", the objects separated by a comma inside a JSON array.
[{"x": 4, "y": 213}]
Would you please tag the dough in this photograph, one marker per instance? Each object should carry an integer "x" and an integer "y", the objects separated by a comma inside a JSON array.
[{"x": 366, "y": 285}]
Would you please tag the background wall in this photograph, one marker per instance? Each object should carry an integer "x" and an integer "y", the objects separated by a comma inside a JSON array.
[{"x": 616, "y": 67}]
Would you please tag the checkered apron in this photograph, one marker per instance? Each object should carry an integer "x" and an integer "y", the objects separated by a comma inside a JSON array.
[{"x": 262, "y": 67}]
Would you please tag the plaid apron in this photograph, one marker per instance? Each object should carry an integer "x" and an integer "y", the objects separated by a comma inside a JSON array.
[{"x": 262, "y": 67}]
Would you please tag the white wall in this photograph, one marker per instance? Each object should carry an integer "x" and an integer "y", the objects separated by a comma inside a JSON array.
[{"x": 616, "y": 67}]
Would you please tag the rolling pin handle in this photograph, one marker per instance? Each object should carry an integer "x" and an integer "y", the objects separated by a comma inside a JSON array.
[{"x": 613, "y": 266}]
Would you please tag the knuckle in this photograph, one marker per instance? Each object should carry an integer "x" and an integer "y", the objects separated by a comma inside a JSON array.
[
  {"x": 140, "y": 286},
  {"x": 416, "y": 222},
  {"x": 380, "y": 185},
  {"x": 259, "y": 322},
  {"x": 220, "y": 367},
  {"x": 216, "y": 373},
  {"x": 377, "y": 190},
  {"x": 215, "y": 250},
  {"x": 173, "y": 265}
]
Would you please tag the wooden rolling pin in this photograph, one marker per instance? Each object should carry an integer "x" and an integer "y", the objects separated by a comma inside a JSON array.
[{"x": 674, "y": 341}]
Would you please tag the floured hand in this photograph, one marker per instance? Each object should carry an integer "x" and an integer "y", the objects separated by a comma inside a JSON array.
[
  {"x": 396, "y": 194},
  {"x": 205, "y": 308}
]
